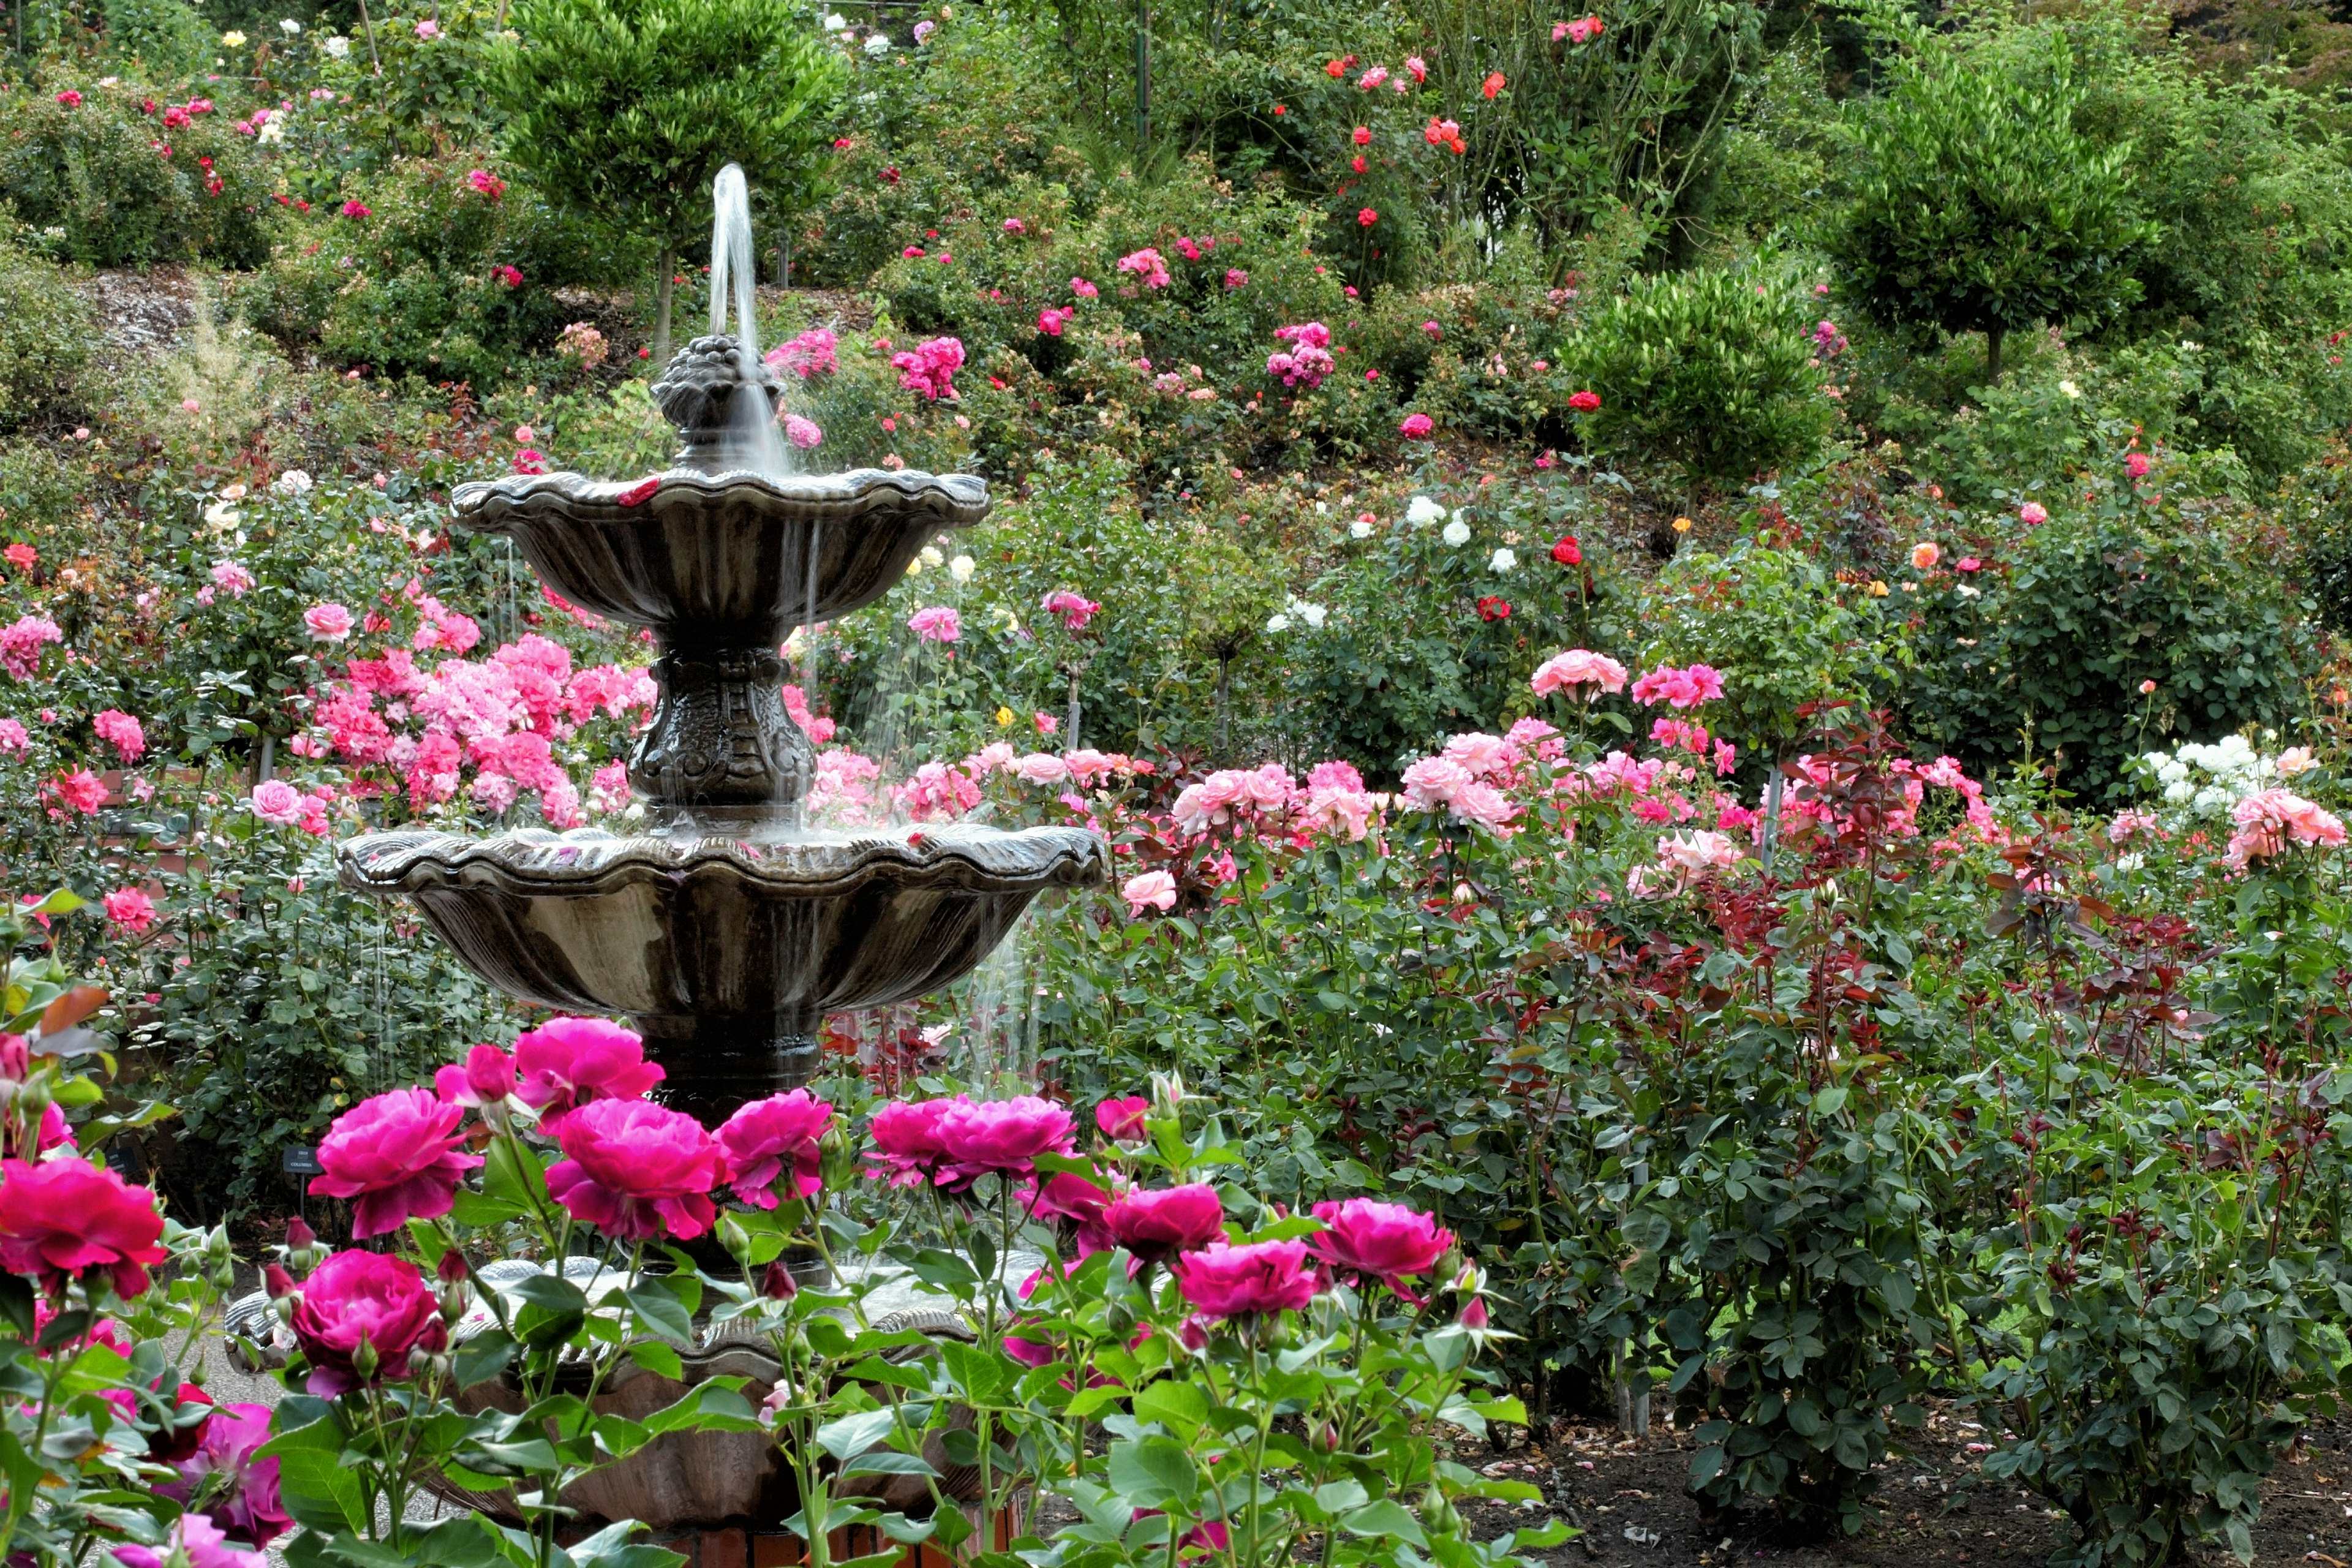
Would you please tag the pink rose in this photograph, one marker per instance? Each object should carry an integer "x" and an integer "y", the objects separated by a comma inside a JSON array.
[
  {"x": 328, "y": 622},
  {"x": 487, "y": 1078},
  {"x": 355, "y": 1298},
  {"x": 1236, "y": 1282},
  {"x": 936, "y": 624},
  {"x": 277, "y": 801},
  {"x": 1041, "y": 768},
  {"x": 1003, "y": 1137},
  {"x": 2137, "y": 465},
  {"x": 2034, "y": 514},
  {"x": 1156, "y": 1226},
  {"x": 195, "y": 1537},
  {"x": 1121, "y": 1120},
  {"x": 397, "y": 1154},
  {"x": 132, "y": 910},
  {"x": 1064, "y": 1196},
  {"x": 1150, "y": 891},
  {"x": 906, "y": 1148},
  {"x": 637, "y": 1170},
  {"x": 802, "y": 433},
  {"x": 65, "y": 1216},
  {"x": 250, "y": 1509},
  {"x": 1416, "y": 427},
  {"x": 121, "y": 732},
  {"x": 1383, "y": 1241},
  {"x": 767, "y": 1135},
  {"x": 1577, "y": 667},
  {"x": 567, "y": 1063}
]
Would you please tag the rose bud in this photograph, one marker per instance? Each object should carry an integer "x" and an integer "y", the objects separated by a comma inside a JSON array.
[
  {"x": 778, "y": 1284},
  {"x": 276, "y": 1282}
]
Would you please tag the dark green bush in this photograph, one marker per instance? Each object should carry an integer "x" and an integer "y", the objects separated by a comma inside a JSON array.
[
  {"x": 45, "y": 333},
  {"x": 2042, "y": 655},
  {"x": 127, "y": 189}
]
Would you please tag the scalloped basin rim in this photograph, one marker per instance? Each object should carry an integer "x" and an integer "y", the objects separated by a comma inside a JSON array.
[
  {"x": 480, "y": 504},
  {"x": 583, "y": 861}
]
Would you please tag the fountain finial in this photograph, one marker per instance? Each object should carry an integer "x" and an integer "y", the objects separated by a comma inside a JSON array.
[{"x": 698, "y": 394}]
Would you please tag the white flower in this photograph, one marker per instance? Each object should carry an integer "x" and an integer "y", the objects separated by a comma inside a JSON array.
[
  {"x": 1360, "y": 529},
  {"x": 273, "y": 130},
  {"x": 2132, "y": 862},
  {"x": 2070, "y": 389},
  {"x": 931, "y": 557},
  {"x": 1277, "y": 623},
  {"x": 1313, "y": 614},
  {"x": 1457, "y": 532},
  {"x": 233, "y": 39},
  {"x": 834, "y": 23},
  {"x": 221, "y": 514},
  {"x": 337, "y": 46},
  {"x": 877, "y": 45},
  {"x": 1503, "y": 561},
  {"x": 292, "y": 483},
  {"x": 961, "y": 568},
  {"x": 289, "y": 27},
  {"x": 1423, "y": 510}
]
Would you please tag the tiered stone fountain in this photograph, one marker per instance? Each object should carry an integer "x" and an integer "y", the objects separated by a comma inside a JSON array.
[{"x": 731, "y": 926}]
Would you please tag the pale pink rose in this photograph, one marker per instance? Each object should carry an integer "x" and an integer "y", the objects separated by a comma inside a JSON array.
[
  {"x": 1579, "y": 666},
  {"x": 1149, "y": 890},
  {"x": 1434, "y": 782},
  {"x": 328, "y": 622},
  {"x": 1041, "y": 768},
  {"x": 277, "y": 803}
]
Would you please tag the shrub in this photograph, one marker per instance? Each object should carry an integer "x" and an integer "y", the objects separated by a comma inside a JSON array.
[
  {"x": 163, "y": 40},
  {"x": 1709, "y": 371},
  {"x": 2042, "y": 655},
  {"x": 126, "y": 189},
  {"x": 45, "y": 333},
  {"x": 1980, "y": 207}
]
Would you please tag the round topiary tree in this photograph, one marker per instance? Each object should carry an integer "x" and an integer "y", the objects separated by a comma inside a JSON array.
[
  {"x": 1978, "y": 206},
  {"x": 629, "y": 110},
  {"x": 1709, "y": 370}
]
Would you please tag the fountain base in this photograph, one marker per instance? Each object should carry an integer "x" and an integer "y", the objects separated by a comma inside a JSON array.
[{"x": 716, "y": 1064}]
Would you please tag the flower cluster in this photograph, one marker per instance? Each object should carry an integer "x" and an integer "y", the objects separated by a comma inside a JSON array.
[{"x": 1308, "y": 359}]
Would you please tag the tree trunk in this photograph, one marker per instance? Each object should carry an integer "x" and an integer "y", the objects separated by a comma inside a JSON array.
[
  {"x": 1224, "y": 678},
  {"x": 366, "y": 26},
  {"x": 661, "y": 319},
  {"x": 1992, "y": 354}
]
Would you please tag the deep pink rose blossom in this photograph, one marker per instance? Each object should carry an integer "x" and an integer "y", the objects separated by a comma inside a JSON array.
[
  {"x": 199, "y": 1539},
  {"x": 1236, "y": 1282},
  {"x": 907, "y": 1149},
  {"x": 487, "y": 1078},
  {"x": 1121, "y": 1120},
  {"x": 1383, "y": 1241},
  {"x": 766, "y": 1136},
  {"x": 362, "y": 1297},
  {"x": 250, "y": 1510},
  {"x": 65, "y": 1216},
  {"x": 397, "y": 1154},
  {"x": 567, "y": 1063},
  {"x": 1003, "y": 1137},
  {"x": 1157, "y": 1226},
  {"x": 637, "y": 1170}
]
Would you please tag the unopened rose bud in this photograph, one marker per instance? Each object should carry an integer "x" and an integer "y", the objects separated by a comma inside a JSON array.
[
  {"x": 217, "y": 1247},
  {"x": 837, "y": 1159},
  {"x": 284, "y": 1306},
  {"x": 434, "y": 1339},
  {"x": 1474, "y": 1315},
  {"x": 276, "y": 1282},
  {"x": 1438, "y": 1514},
  {"x": 364, "y": 1361},
  {"x": 452, "y": 1267},
  {"x": 778, "y": 1284},
  {"x": 1326, "y": 1437},
  {"x": 223, "y": 1276},
  {"x": 300, "y": 1235},
  {"x": 1194, "y": 1335},
  {"x": 733, "y": 1236}
]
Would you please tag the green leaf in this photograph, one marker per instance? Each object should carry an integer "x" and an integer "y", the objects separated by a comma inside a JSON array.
[
  {"x": 658, "y": 1309},
  {"x": 1180, "y": 1407},
  {"x": 318, "y": 1491},
  {"x": 1385, "y": 1517},
  {"x": 1152, "y": 1472},
  {"x": 482, "y": 1357},
  {"x": 658, "y": 1359},
  {"x": 850, "y": 1435}
]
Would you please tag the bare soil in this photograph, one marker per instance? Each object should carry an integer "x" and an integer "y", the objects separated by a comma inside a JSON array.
[{"x": 1630, "y": 1498}]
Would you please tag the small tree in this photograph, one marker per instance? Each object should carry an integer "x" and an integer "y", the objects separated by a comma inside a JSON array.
[
  {"x": 1709, "y": 370},
  {"x": 1978, "y": 208},
  {"x": 629, "y": 110}
]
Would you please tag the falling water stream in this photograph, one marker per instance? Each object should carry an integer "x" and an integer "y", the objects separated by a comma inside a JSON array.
[{"x": 752, "y": 441}]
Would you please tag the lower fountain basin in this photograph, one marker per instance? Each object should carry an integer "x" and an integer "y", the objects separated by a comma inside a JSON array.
[{"x": 726, "y": 952}]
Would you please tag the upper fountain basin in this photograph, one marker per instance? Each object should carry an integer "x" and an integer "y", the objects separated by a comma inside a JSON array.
[{"x": 722, "y": 559}]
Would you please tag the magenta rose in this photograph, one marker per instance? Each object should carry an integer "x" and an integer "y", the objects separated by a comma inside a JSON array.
[
  {"x": 567, "y": 1063},
  {"x": 907, "y": 1150},
  {"x": 65, "y": 1216},
  {"x": 250, "y": 1509},
  {"x": 637, "y": 1170},
  {"x": 1121, "y": 1120},
  {"x": 1156, "y": 1226},
  {"x": 487, "y": 1078},
  {"x": 1383, "y": 1241},
  {"x": 364, "y": 1298},
  {"x": 397, "y": 1154},
  {"x": 200, "y": 1539},
  {"x": 1003, "y": 1137},
  {"x": 764, "y": 1137},
  {"x": 1237, "y": 1281}
]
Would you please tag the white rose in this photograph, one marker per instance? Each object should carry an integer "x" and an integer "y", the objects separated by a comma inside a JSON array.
[
  {"x": 1278, "y": 623},
  {"x": 1360, "y": 529},
  {"x": 292, "y": 483},
  {"x": 289, "y": 27},
  {"x": 1424, "y": 510},
  {"x": 337, "y": 46},
  {"x": 1503, "y": 561},
  {"x": 877, "y": 45},
  {"x": 1457, "y": 532},
  {"x": 834, "y": 22},
  {"x": 961, "y": 568},
  {"x": 1313, "y": 614}
]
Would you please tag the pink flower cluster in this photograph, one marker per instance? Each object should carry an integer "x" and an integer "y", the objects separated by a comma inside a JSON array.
[
  {"x": 930, "y": 368},
  {"x": 812, "y": 353},
  {"x": 1075, "y": 609},
  {"x": 1680, "y": 687},
  {"x": 1308, "y": 359},
  {"x": 2272, "y": 821},
  {"x": 21, "y": 644},
  {"x": 1148, "y": 267},
  {"x": 1683, "y": 858},
  {"x": 950, "y": 1144},
  {"x": 937, "y": 623},
  {"x": 1579, "y": 666},
  {"x": 121, "y": 732}
]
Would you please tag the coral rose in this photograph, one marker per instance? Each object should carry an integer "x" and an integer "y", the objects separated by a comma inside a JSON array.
[
  {"x": 637, "y": 1170},
  {"x": 1383, "y": 1241},
  {"x": 66, "y": 1216},
  {"x": 356, "y": 1299},
  {"x": 1237, "y": 1281},
  {"x": 397, "y": 1154},
  {"x": 567, "y": 1063},
  {"x": 767, "y": 1135},
  {"x": 1158, "y": 1225}
]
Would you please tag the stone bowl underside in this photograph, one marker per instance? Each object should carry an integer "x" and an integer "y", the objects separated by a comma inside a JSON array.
[{"x": 718, "y": 560}]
